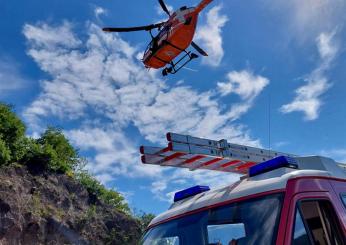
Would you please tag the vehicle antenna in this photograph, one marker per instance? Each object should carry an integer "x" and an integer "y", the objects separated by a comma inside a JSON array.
[{"x": 269, "y": 121}]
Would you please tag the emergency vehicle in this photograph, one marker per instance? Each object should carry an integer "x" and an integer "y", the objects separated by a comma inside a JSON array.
[{"x": 280, "y": 199}]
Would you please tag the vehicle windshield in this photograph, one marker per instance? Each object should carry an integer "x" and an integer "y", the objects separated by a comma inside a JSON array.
[{"x": 254, "y": 221}]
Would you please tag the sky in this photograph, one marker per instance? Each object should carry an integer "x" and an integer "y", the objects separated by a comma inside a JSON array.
[{"x": 274, "y": 78}]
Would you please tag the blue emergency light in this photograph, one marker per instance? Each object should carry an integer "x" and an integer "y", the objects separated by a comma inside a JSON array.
[
  {"x": 275, "y": 163},
  {"x": 190, "y": 192}
]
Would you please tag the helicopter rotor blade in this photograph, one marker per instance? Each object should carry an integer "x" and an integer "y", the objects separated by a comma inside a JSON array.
[
  {"x": 129, "y": 29},
  {"x": 164, "y": 7},
  {"x": 199, "y": 49}
]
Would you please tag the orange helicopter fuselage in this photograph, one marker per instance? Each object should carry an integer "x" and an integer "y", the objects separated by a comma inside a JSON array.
[{"x": 174, "y": 37}]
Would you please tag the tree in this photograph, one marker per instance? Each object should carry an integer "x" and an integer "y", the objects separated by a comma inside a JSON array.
[
  {"x": 144, "y": 219},
  {"x": 5, "y": 153},
  {"x": 12, "y": 131},
  {"x": 52, "y": 152},
  {"x": 62, "y": 156}
]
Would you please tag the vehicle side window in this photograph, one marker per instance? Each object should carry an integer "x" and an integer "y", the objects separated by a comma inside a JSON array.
[
  {"x": 343, "y": 198},
  {"x": 321, "y": 222},
  {"x": 300, "y": 236},
  {"x": 223, "y": 233}
]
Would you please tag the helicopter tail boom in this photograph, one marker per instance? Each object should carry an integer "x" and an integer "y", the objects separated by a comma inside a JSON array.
[{"x": 202, "y": 5}]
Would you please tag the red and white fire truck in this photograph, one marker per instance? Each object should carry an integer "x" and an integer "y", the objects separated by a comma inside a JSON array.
[{"x": 281, "y": 198}]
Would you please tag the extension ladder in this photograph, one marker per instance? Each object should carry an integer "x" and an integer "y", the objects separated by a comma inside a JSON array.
[{"x": 197, "y": 153}]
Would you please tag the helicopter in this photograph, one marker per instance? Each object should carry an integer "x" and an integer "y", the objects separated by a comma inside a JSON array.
[{"x": 174, "y": 37}]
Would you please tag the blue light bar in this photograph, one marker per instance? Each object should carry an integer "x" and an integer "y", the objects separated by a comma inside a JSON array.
[
  {"x": 272, "y": 164},
  {"x": 190, "y": 192}
]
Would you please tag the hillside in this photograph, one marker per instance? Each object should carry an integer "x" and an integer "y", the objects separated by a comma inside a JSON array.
[
  {"x": 46, "y": 196},
  {"x": 55, "y": 209}
]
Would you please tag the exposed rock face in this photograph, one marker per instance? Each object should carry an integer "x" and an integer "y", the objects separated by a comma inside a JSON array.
[{"x": 46, "y": 208}]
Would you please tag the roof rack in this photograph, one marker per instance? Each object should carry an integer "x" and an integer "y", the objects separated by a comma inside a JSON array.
[{"x": 185, "y": 151}]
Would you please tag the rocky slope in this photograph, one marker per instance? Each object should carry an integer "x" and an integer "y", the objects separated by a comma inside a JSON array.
[{"x": 45, "y": 208}]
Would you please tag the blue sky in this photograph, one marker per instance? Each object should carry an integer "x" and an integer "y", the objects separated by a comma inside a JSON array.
[{"x": 286, "y": 57}]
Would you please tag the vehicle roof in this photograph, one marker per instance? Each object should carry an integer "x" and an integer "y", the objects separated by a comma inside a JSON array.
[{"x": 270, "y": 181}]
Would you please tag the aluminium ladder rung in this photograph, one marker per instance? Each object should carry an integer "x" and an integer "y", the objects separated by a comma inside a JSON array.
[
  {"x": 196, "y": 153},
  {"x": 220, "y": 146}
]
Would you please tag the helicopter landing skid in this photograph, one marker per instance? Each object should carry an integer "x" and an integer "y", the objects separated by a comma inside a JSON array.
[{"x": 172, "y": 69}]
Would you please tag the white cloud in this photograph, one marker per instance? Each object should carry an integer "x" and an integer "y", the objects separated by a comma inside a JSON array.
[
  {"x": 102, "y": 89},
  {"x": 159, "y": 10},
  {"x": 327, "y": 47},
  {"x": 308, "y": 97},
  {"x": 306, "y": 19},
  {"x": 244, "y": 83},
  {"x": 11, "y": 78},
  {"x": 164, "y": 190},
  {"x": 336, "y": 154},
  {"x": 115, "y": 154},
  {"x": 98, "y": 11},
  {"x": 209, "y": 36},
  {"x": 46, "y": 36}
]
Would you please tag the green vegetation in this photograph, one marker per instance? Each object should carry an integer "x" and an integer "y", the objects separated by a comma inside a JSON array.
[
  {"x": 145, "y": 220},
  {"x": 95, "y": 188},
  {"x": 5, "y": 153},
  {"x": 51, "y": 152},
  {"x": 12, "y": 129}
]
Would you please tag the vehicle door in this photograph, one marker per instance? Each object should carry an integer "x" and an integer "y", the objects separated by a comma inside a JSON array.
[{"x": 314, "y": 219}]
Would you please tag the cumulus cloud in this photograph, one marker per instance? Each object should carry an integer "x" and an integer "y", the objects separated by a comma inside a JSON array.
[
  {"x": 209, "y": 36},
  {"x": 116, "y": 154},
  {"x": 98, "y": 11},
  {"x": 243, "y": 83},
  {"x": 48, "y": 37},
  {"x": 99, "y": 85},
  {"x": 11, "y": 78},
  {"x": 306, "y": 19},
  {"x": 308, "y": 97}
]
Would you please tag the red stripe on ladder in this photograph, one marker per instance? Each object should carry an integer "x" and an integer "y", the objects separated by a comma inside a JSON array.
[
  {"x": 193, "y": 159},
  {"x": 245, "y": 166},
  {"x": 174, "y": 155},
  {"x": 211, "y": 162},
  {"x": 227, "y": 164}
]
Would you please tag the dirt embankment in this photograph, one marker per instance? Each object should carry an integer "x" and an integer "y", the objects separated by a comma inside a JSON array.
[{"x": 44, "y": 208}]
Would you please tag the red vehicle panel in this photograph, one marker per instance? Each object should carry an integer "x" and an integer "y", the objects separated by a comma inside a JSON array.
[{"x": 307, "y": 188}]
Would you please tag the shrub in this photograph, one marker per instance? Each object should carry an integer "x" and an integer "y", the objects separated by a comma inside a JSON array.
[
  {"x": 5, "y": 153},
  {"x": 62, "y": 157},
  {"x": 110, "y": 197},
  {"x": 52, "y": 151},
  {"x": 12, "y": 129},
  {"x": 37, "y": 156},
  {"x": 144, "y": 220}
]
